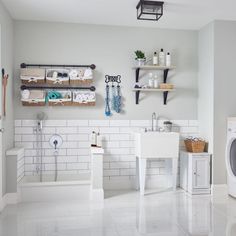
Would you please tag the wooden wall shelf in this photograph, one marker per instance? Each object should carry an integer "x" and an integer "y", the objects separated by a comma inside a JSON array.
[{"x": 165, "y": 70}]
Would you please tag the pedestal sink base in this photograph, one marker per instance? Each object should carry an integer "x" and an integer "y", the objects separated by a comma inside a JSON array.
[
  {"x": 141, "y": 165},
  {"x": 155, "y": 145}
]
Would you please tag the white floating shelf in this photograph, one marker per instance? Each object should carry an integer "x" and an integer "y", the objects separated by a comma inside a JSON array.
[{"x": 153, "y": 67}]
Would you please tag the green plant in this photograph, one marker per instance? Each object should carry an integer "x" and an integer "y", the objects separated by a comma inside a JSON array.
[{"x": 139, "y": 54}]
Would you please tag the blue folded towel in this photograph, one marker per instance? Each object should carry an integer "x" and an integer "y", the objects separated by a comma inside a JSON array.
[{"x": 54, "y": 95}]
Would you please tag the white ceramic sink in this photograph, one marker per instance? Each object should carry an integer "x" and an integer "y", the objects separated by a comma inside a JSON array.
[{"x": 157, "y": 145}]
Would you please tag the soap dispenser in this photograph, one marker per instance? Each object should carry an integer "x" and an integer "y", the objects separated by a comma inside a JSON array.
[
  {"x": 162, "y": 58},
  {"x": 93, "y": 139},
  {"x": 168, "y": 59},
  {"x": 155, "y": 59}
]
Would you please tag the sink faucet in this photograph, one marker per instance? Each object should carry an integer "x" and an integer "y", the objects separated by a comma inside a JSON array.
[{"x": 154, "y": 118}]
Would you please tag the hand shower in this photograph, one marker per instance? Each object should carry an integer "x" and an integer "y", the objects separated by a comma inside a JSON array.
[
  {"x": 39, "y": 138},
  {"x": 40, "y": 117}
]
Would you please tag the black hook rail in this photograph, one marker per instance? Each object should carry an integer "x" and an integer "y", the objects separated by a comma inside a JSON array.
[
  {"x": 23, "y": 87},
  {"x": 24, "y": 65}
]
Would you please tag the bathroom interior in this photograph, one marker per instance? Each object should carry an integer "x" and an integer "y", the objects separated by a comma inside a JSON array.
[{"x": 117, "y": 118}]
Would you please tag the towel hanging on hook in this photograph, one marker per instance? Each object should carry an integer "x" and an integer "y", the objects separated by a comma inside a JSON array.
[
  {"x": 107, "y": 101},
  {"x": 115, "y": 94}
]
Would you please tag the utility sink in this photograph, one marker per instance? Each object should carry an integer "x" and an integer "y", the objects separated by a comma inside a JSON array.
[{"x": 157, "y": 145}]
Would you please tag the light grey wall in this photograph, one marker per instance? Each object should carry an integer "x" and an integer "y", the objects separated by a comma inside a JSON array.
[
  {"x": 7, "y": 63},
  {"x": 206, "y": 83},
  {"x": 112, "y": 50},
  {"x": 217, "y": 97},
  {"x": 225, "y": 94}
]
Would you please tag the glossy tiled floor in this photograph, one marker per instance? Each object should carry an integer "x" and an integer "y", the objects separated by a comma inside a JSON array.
[{"x": 125, "y": 214}]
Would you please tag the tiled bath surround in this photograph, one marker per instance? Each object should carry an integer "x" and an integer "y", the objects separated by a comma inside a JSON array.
[{"x": 74, "y": 154}]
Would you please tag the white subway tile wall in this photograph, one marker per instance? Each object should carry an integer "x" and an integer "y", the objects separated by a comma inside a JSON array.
[
  {"x": 20, "y": 167},
  {"x": 74, "y": 154}
]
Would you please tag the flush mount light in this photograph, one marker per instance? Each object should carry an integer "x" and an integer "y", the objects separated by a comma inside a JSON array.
[{"x": 149, "y": 10}]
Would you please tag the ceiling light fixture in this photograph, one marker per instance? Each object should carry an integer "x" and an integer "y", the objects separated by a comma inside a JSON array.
[{"x": 149, "y": 10}]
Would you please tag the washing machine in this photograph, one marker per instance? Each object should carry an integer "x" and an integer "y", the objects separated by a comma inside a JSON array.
[{"x": 231, "y": 156}]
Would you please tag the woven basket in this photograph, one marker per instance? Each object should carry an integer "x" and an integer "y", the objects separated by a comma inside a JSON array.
[{"x": 194, "y": 145}]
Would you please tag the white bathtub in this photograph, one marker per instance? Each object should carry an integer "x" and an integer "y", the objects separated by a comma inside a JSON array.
[{"x": 68, "y": 187}]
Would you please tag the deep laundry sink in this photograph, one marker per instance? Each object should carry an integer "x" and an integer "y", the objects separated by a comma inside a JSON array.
[{"x": 157, "y": 144}]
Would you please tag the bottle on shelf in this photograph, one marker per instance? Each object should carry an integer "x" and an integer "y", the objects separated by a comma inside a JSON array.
[
  {"x": 93, "y": 139},
  {"x": 155, "y": 59},
  {"x": 156, "y": 82},
  {"x": 168, "y": 59},
  {"x": 99, "y": 140},
  {"x": 162, "y": 58},
  {"x": 150, "y": 81}
]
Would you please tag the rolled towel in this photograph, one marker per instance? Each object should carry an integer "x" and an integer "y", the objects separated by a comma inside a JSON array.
[
  {"x": 88, "y": 73},
  {"x": 73, "y": 74},
  {"x": 54, "y": 95},
  {"x": 25, "y": 94}
]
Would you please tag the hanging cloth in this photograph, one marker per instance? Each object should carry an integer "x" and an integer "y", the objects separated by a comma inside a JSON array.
[
  {"x": 118, "y": 99},
  {"x": 107, "y": 101},
  {"x": 113, "y": 97}
]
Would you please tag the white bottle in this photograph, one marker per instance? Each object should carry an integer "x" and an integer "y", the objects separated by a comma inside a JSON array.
[
  {"x": 93, "y": 139},
  {"x": 150, "y": 81},
  {"x": 99, "y": 140},
  {"x": 168, "y": 59},
  {"x": 162, "y": 58},
  {"x": 156, "y": 82},
  {"x": 155, "y": 59}
]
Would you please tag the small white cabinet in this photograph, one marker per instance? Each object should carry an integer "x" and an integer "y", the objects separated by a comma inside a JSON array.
[{"x": 195, "y": 171}]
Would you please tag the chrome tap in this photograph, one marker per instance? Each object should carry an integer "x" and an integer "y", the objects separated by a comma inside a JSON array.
[{"x": 154, "y": 118}]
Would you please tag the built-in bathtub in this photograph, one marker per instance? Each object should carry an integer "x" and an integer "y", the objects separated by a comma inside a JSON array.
[
  {"x": 30, "y": 188},
  {"x": 69, "y": 187}
]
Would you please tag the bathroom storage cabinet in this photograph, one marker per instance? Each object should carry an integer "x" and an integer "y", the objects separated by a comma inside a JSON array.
[
  {"x": 165, "y": 70},
  {"x": 195, "y": 171}
]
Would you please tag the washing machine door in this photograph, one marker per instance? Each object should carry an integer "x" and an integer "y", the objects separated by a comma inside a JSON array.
[{"x": 231, "y": 157}]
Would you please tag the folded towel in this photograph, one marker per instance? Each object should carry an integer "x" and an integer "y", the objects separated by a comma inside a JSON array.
[
  {"x": 36, "y": 94},
  {"x": 88, "y": 73},
  {"x": 25, "y": 94}
]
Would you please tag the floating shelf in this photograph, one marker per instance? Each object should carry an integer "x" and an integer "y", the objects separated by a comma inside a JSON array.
[
  {"x": 153, "y": 67},
  {"x": 165, "y": 93},
  {"x": 165, "y": 69},
  {"x": 153, "y": 90}
]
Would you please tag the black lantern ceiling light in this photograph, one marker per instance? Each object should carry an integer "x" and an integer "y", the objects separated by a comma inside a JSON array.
[{"x": 149, "y": 10}]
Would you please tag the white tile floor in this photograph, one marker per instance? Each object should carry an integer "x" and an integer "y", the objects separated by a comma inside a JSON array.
[{"x": 125, "y": 214}]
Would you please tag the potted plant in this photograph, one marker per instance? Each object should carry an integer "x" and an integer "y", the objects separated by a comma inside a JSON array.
[{"x": 140, "y": 58}]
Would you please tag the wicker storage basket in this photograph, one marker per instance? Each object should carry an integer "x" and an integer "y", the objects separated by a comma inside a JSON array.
[
  {"x": 32, "y": 76},
  {"x": 81, "y": 77},
  {"x": 66, "y": 99},
  {"x": 34, "y": 100},
  {"x": 166, "y": 86},
  {"x": 62, "y": 76},
  {"x": 194, "y": 145},
  {"x": 82, "y": 98}
]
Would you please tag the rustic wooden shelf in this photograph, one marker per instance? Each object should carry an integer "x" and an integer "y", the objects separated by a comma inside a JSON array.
[
  {"x": 153, "y": 90},
  {"x": 164, "y": 91},
  {"x": 153, "y": 67},
  {"x": 165, "y": 69}
]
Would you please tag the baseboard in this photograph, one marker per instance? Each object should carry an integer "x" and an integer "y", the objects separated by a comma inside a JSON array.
[
  {"x": 217, "y": 189},
  {"x": 8, "y": 199}
]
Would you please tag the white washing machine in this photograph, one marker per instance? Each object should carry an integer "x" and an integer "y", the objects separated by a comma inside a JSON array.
[{"x": 231, "y": 156}]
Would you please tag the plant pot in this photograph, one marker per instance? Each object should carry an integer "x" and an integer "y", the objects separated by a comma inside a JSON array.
[{"x": 141, "y": 61}]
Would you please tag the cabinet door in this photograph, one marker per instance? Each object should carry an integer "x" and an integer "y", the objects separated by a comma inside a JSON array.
[{"x": 201, "y": 172}]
